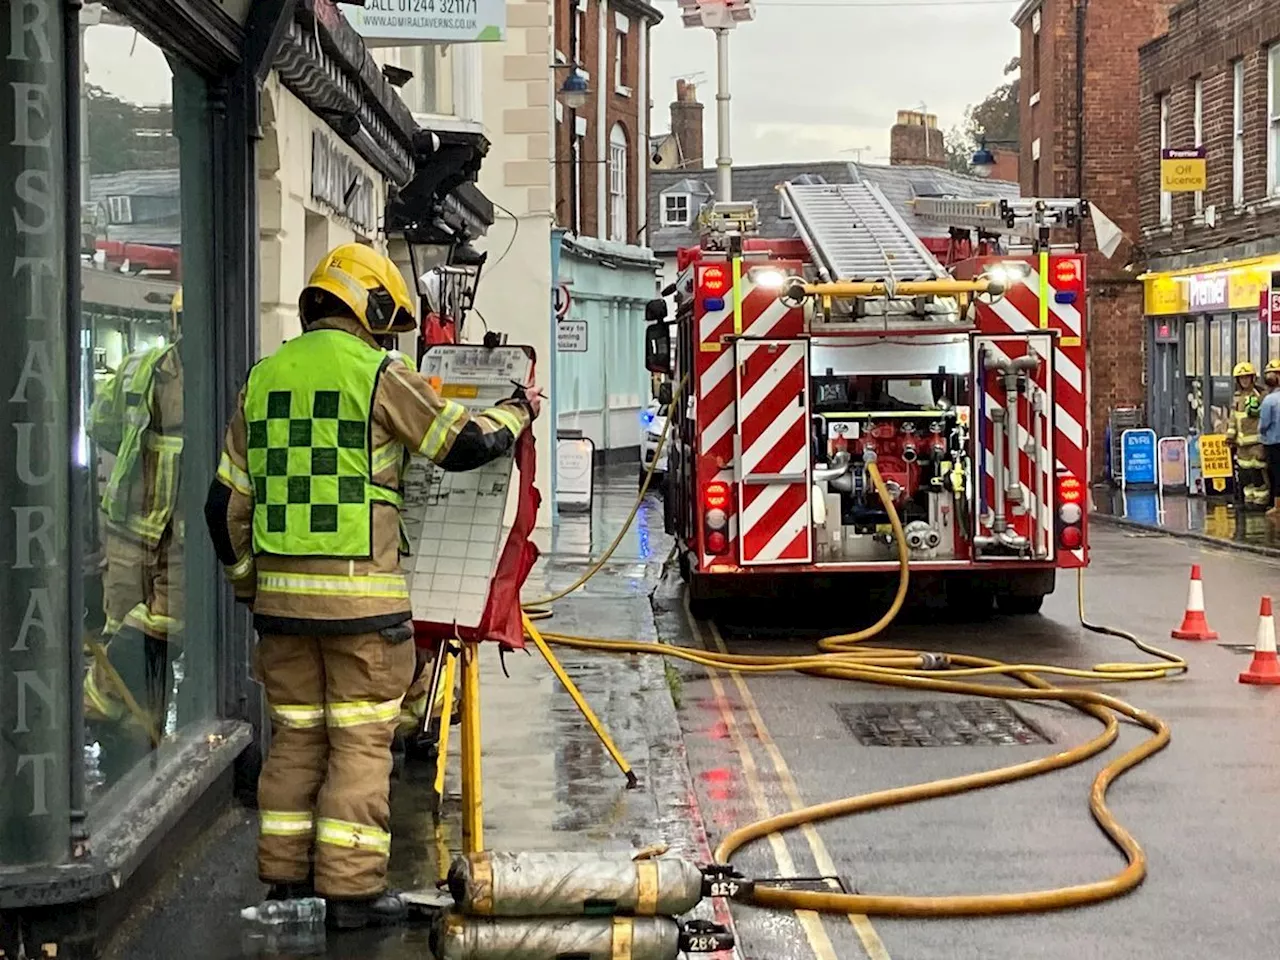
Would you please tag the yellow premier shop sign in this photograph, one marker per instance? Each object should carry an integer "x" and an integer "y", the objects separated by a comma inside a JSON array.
[
  {"x": 1182, "y": 171},
  {"x": 1211, "y": 288},
  {"x": 1215, "y": 459}
]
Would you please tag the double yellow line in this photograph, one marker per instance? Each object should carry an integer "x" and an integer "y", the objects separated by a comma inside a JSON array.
[{"x": 809, "y": 921}]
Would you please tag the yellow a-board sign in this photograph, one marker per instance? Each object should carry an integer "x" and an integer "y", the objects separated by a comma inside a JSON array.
[{"x": 1215, "y": 457}]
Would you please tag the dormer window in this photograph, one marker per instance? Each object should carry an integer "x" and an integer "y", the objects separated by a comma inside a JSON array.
[{"x": 676, "y": 209}]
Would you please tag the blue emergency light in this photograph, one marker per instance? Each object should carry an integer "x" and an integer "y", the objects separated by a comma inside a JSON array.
[
  {"x": 1064, "y": 296},
  {"x": 713, "y": 303}
]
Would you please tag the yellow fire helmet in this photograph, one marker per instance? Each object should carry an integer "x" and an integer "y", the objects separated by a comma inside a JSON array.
[
  {"x": 369, "y": 283},
  {"x": 1273, "y": 366},
  {"x": 1244, "y": 369}
]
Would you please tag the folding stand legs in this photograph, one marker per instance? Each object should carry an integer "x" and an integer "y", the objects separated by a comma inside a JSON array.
[
  {"x": 445, "y": 671},
  {"x": 583, "y": 707}
]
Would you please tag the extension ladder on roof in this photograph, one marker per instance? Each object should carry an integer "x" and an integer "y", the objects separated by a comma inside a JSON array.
[
  {"x": 854, "y": 233},
  {"x": 1000, "y": 215}
]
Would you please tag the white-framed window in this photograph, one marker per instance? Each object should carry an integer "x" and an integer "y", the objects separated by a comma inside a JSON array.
[
  {"x": 621, "y": 62},
  {"x": 120, "y": 209},
  {"x": 1166, "y": 198},
  {"x": 1273, "y": 119},
  {"x": 579, "y": 132},
  {"x": 676, "y": 210},
  {"x": 1198, "y": 128},
  {"x": 1237, "y": 134},
  {"x": 618, "y": 183}
]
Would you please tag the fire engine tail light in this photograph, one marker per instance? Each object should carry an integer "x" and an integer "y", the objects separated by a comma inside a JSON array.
[
  {"x": 715, "y": 519},
  {"x": 1070, "y": 513}
]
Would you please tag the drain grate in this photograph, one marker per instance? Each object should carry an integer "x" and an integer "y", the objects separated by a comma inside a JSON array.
[{"x": 939, "y": 723}]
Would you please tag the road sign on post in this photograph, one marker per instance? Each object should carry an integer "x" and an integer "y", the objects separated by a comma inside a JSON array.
[{"x": 571, "y": 336}]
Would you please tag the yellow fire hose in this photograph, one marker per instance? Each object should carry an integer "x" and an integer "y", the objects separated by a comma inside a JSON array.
[{"x": 841, "y": 659}]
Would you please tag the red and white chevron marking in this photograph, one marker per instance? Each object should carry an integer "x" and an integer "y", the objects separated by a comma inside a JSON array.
[
  {"x": 763, "y": 314},
  {"x": 1018, "y": 312},
  {"x": 774, "y": 514},
  {"x": 1035, "y": 474}
]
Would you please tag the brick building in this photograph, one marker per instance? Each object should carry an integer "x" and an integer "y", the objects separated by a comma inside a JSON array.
[
  {"x": 601, "y": 149},
  {"x": 1212, "y": 81},
  {"x": 1079, "y": 130}
]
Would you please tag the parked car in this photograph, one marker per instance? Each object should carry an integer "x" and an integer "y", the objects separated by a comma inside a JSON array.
[{"x": 653, "y": 420}]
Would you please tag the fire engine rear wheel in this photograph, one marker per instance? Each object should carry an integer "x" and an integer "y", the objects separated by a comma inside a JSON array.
[{"x": 1019, "y": 606}]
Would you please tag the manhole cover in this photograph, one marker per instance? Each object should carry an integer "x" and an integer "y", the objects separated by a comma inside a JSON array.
[{"x": 939, "y": 723}]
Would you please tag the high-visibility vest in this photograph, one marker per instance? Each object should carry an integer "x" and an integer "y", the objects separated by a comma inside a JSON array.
[
  {"x": 308, "y": 410},
  {"x": 119, "y": 421}
]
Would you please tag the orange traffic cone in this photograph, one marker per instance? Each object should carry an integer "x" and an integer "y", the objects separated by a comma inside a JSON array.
[
  {"x": 1194, "y": 625},
  {"x": 1265, "y": 669}
]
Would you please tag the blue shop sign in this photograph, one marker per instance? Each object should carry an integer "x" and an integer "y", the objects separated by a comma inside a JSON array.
[{"x": 1138, "y": 456}]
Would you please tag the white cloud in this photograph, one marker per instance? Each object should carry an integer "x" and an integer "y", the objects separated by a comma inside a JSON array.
[
  {"x": 127, "y": 65},
  {"x": 808, "y": 82}
]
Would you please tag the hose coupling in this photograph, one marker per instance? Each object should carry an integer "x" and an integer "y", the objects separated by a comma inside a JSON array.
[
  {"x": 722, "y": 880},
  {"x": 934, "y": 661}
]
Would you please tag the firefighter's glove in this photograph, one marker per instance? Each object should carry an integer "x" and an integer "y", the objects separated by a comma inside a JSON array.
[
  {"x": 398, "y": 634},
  {"x": 520, "y": 396}
]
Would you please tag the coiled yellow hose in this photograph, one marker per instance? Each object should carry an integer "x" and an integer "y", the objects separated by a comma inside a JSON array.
[{"x": 840, "y": 658}]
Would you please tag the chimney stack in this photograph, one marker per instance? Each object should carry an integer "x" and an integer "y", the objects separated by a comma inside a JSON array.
[
  {"x": 915, "y": 139},
  {"x": 686, "y": 126}
]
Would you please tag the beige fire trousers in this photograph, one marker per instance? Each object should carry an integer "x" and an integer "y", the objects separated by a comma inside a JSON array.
[{"x": 323, "y": 796}]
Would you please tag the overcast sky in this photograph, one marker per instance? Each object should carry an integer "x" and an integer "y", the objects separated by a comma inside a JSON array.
[{"x": 813, "y": 78}]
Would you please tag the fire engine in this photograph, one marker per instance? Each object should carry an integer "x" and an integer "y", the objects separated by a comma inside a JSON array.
[{"x": 803, "y": 359}]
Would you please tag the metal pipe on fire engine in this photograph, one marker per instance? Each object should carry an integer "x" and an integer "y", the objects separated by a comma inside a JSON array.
[
  {"x": 1012, "y": 406},
  {"x": 1037, "y": 403},
  {"x": 795, "y": 290},
  {"x": 724, "y": 163}
]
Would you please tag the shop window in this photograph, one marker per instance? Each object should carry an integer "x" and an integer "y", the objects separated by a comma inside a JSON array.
[
  {"x": 1193, "y": 339},
  {"x": 147, "y": 431},
  {"x": 1219, "y": 348}
]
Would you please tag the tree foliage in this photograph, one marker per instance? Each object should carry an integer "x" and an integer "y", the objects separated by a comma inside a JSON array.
[
  {"x": 995, "y": 118},
  {"x": 126, "y": 136}
]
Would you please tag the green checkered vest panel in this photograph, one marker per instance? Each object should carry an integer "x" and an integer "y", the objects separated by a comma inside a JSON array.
[
  {"x": 307, "y": 408},
  {"x": 120, "y": 416}
]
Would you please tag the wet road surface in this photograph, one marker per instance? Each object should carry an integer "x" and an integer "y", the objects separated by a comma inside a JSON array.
[{"x": 1203, "y": 809}]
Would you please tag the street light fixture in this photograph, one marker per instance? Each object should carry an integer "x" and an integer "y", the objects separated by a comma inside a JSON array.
[
  {"x": 983, "y": 161},
  {"x": 574, "y": 90}
]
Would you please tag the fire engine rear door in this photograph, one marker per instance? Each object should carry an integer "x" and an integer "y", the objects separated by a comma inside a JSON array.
[{"x": 772, "y": 465}]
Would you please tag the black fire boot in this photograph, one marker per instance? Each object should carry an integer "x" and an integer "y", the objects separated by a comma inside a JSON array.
[{"x": 384, "y": 910}]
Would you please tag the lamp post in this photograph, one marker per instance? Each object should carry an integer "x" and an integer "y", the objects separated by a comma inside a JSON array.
[
  {"x": 983, "y": 160},
  {"x": 720, "y": 16}
]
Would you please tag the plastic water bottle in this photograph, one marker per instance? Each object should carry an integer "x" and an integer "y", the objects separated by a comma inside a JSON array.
[{"x": 305, "y": 910}]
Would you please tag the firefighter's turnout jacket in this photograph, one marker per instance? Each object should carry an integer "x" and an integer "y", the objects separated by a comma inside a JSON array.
[
  {"x": 137, "y": 417},
  {"x": 1242, "y": 432},
  {"x": 305, "y": 514},
  {"x": 309, "y": 528}
]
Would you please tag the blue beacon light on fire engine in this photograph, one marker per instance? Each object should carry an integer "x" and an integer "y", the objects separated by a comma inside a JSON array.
[{"x": 713, "y": 303}]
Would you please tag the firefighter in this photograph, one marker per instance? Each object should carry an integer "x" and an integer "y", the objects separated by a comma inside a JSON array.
[
  {"x": 1269, "y": 432},
  {"x": 304, "y": 513},
  {"x": 1242, "y": 435},
  {"x": 137, "y": 418}
]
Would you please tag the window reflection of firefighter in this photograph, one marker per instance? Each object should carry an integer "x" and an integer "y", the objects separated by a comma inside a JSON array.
[
  {"x": 137, "y": 418},
  {"x": 1242, "y": 436}
]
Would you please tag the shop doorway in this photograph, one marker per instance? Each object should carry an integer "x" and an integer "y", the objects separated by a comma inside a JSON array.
[{"x": 1170, "y": 404}]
